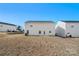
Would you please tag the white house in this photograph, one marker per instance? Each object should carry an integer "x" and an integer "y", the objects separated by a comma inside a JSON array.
[
  {"x": 67, "y": 28},
  {"x": 4, "y": 27},
  {"x": 39, "y": 28}
]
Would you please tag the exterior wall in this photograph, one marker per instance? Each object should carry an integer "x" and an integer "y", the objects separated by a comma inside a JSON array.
[
  {"x": 43, "y": 27},
  {"x": 4, "y": 27},
  {"x": 60, "y": 29},
  {"x": 73, "y": 29},
  {"x": 63, "y": 28}
]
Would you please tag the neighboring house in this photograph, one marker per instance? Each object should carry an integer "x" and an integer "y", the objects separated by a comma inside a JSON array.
[
  {"x": 4, "y": 27},
  {"x": 39, "y": 28},
  {"x": 67, "y": 28}
]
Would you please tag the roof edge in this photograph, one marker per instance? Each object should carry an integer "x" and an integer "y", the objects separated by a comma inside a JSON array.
[
  {"x": 69, "y": 21},
  {"x": 39, "y": 21},
  {"x": 8, "y": 24}
]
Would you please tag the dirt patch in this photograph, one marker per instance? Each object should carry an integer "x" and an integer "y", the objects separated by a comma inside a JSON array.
[{"x": 20, "y": 45}]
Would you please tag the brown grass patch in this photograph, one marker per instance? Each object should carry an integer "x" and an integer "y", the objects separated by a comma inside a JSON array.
[
  {"x": 18, "y": 44},
  {"x": 14, "y": 32}
]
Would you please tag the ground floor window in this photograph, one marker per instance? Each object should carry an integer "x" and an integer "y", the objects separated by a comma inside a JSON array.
[
  {"x": 49, "y": 31},
  {"x": 39, "y": 32},
  {"x": 44, "y": 32}
]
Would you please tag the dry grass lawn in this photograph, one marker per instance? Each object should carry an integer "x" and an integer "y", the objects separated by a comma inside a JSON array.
[{"x": 20, "y": 45}]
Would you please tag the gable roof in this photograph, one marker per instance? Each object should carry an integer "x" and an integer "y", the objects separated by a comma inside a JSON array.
[
  {"x": 39, "y": 22},
  {"x": 7, "y": 23}
]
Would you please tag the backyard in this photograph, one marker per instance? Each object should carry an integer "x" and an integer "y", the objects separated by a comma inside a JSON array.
[{"x": 20, "y": 45}]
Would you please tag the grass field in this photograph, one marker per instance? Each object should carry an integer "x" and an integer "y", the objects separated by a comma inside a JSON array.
[{"x": 20, "y": 45}]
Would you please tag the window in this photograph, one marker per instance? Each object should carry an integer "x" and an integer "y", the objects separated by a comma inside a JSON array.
[
  {"x": 31, "y": 25},
  {"x": 44, "y": 32},
  {"x": 72, "y": 26},
  {"x": 39, "y": 32},
  {"x": 49, "y": 31}
]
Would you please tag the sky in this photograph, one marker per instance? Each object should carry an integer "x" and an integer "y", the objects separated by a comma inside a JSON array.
[{"x": 18, "y": 13}]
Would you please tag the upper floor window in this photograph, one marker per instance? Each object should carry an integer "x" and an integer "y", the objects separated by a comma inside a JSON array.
[
  {"x": 31, "y": 25},
  {"x": 72, "y": 26}
]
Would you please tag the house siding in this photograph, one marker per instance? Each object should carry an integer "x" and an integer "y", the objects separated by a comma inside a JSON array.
[
  {"x": 45, "y": 28},
  {"x": 5, "y": 27},
  {"x": 63, "y": 28},
  {"x": 73, "y": 29}
]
